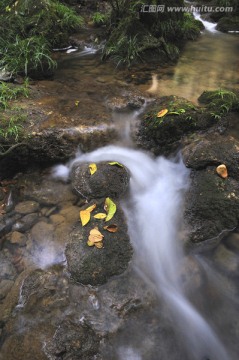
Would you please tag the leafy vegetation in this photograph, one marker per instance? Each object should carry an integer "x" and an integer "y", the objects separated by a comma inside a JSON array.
[
  {"x": 11, "y": 125},
  {"x": 33, "y": 29},
  {"x": 220, "y": 102},
  {"x": 136, "y": 35},
  {"x": 99, "y": 19}
]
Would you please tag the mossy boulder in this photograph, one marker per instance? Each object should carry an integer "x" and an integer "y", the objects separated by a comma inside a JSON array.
[
  {"x": 228, "y": 23},
  {"x": 163, "y": 135},
  {"x": 108, "y": 180},
  {"x": 212, "y": 203},
  {"x": 90, "y": 265}
]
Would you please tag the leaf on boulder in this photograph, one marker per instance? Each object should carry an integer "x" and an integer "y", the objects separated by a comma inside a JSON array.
[
  {"x": 93, "y": 168},
  {"x": 162, "y": 113},
  {"x": 111, "y": 228},
  {"x": 222, "y": 171},
  {"x": 91, "y": 208},
  {"x": 95, "y": 238},
  {"x": 110, "y": 208},
  {"x": 115, "y": 163},
  {"x": 85, "y": 217},
  {"x": 100, "y": 216}
]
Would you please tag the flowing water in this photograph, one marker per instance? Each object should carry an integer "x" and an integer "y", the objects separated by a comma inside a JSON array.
[{"x": 201, "y": 319}]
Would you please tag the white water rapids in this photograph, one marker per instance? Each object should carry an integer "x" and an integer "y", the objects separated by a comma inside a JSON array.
[{"x": 154, "y": 212}]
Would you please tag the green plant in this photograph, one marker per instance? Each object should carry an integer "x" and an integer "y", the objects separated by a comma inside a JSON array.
[
  {"x": 10, "y": 92},
  {"x": 99, "y": 18},
  {"x": 33, "y": 54}
]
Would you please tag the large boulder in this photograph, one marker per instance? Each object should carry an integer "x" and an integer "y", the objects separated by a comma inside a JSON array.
[
  {"x": 108, "y": 180},
  {"x": 212, "y": 203},
  {"x": 90, "y": 265}
]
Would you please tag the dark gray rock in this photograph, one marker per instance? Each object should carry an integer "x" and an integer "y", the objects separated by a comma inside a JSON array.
[
  {"x": 212, "y": 206},
  {"x": 25, "y": 223},
  {"x": 89, "y": 265},
  {"x": 107, "y": 181},
  {"x": 213, "y": 150},
  {"x": 7, "y": 270},
  {"x": 73, "y": 341}
]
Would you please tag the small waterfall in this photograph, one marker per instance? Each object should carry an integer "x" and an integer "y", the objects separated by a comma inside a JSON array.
[
  {"x": 154, "y": 213},
  {"x": 209, "y": 26}
]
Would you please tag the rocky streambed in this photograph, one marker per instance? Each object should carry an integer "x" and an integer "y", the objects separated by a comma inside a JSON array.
[{"x": 61, "y": 298}]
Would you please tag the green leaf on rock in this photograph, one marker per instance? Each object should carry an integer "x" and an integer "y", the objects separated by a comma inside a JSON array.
[
  {"x": 115, "y": 163},
  {"x": 110, "y": 208}
]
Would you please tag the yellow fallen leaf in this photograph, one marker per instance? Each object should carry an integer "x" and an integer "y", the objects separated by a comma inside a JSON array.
[
  {"x": 162, "y": 113},
  {"x": 222, "y": 171},
  {"x": 100, "y": 216},
  {"x": 93, "y": 168},
  {"x": 91, "y": 208},
  {"x": 116, "y": 163},
  {"x": 85, "y": 217},
  {"x": 90, "y": 243},
  {"x": 110, "y": 208},
  {"x": 111, "y": 228}
]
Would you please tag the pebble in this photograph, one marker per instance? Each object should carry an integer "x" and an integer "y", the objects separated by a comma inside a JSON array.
[
  {"x": 226, "y": 260},
  {"x": 27, "y": 207},
  {"x": 18, "y": 238}
]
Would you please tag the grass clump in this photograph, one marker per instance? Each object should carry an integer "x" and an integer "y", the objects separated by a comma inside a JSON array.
[
  {"x": 219, "y": 102},
  {"x": 34, "y": 28},
  {"x": 11, "y": 117}
]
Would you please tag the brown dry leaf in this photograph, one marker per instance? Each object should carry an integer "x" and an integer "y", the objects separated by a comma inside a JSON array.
[
  {"x": 93, "y": 168},
  {"x": 91, "y": 208},
  {"x": 222, "y": 171},
  {"x": 162, "y": 113},
  {"x": 85, "y": 217},
  {"x": 100, "y": 216},
  {"x": 111, "y": 228},
  {"x": 99, "y": 245}
]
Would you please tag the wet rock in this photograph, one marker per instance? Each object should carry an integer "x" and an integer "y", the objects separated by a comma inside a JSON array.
[
  {"x": 73, "y": 341},
  {"x": 6, "y": 223},
  {"x": 45, "y": 190},
  {"x": 107, "y": 181},
  {"x": 213, "y": 150},
  {"x": 57, "y": 219},
  {"x": 128, "y": 101},
  {"x": 228, "y": 24},
  {"x": 212, "y": 206},
  {"x": 25, "y": 223},
  {"x": 163, "y": 135},
  {"x": 27, "y": 207},
  {"x": 23, "y": 344},
  {"x": 89, "y": 265},
  {"x": 191, "y": 274},
  {"x": 7, "y": 270},
  {"x": 226, "y": 260},
  {"x": 70, "y": 213},
  {"x": 5, "y": 287},
  {"x": 42, "y": 231},
  {"x": 232, "y": 242},
  {"x": 18, "y": 238}
]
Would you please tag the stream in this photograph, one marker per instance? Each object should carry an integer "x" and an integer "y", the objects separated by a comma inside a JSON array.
[{"x": 188, "y": 306}]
